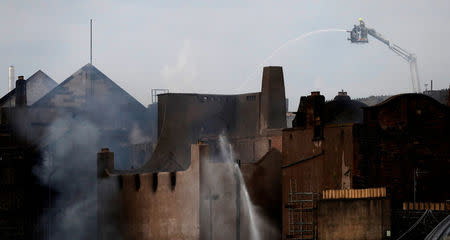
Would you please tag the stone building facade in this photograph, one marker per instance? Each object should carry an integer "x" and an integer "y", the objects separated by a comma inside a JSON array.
[{"x": 252, "y": 125}]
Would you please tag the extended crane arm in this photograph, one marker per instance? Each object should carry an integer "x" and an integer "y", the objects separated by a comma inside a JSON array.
[
  {"x": 398, "y": 50},
  {"x": 359, "y": 35}
]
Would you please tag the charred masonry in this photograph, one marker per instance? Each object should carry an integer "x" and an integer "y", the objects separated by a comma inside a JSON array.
[{"x": 344, "y": 170}]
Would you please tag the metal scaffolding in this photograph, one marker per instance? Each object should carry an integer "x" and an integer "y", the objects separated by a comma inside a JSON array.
[{"x": 302, "y": 214}]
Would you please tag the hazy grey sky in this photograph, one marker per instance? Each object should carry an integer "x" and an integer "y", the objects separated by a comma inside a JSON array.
[{"x": 214, "y": 46}]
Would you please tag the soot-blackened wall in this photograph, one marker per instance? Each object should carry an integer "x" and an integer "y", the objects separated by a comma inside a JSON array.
[
  {"x": 183, "y": 119},
  {"x": 405, "y": 133}
]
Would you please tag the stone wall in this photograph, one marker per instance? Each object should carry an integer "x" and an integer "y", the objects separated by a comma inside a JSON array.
[
  {"x": 161, "y": 205},
  {"x": 349, "y": 219}
]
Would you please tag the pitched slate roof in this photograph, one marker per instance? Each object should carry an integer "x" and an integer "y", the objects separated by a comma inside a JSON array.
[
  {"x": 86, "y": 85},
  {"x": 90, "y": 95},
  {"x": 38, "y": 85}
]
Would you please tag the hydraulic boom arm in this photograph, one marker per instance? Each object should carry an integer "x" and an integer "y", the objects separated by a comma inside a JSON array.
[{"x": 359, "y": 35}]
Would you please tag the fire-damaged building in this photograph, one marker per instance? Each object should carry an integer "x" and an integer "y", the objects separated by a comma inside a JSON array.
[
  {"x": 173, "y": 196},
  {"x": 89, "y": 97},
  {"x": 48, "y": 148},
  {"x": 21, "y": 195},
  {"x": 223, "y": 166},
  {"x": 355, "y": 172}
]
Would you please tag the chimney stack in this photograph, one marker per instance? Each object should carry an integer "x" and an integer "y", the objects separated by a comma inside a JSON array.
[
  {"x": 314, "y": 114},
  {"x": 10, "y": 78},
  {"x": 273, "y": 99},
  {"x": 21, "y": 92},
  {"x": 310, "y": 114}
]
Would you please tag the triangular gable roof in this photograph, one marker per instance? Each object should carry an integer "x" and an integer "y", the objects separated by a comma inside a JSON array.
[
  {"x": 40, "y": 75},
  {"x": 85, "y": 84},
  {"x": 45, "y": 80}
]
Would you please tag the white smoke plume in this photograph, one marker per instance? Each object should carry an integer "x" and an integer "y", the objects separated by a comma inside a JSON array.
[
  {"x": 136, "y": 135},
  {"x": 69, "y": 168}
]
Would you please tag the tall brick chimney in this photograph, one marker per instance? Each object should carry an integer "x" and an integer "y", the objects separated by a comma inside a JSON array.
[
  {"x": 310, "y": 114},
  {"x": 21, "y": 92},
  {"x": 273, "y": 99},
  {"x": 315, "y": 113}
]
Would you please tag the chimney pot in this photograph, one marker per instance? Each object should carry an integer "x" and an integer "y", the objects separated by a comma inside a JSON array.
[
  {"x": 20, "y": 78},
  {"x": 316, "y": 93},
  {"x": 105, "y": 149}
]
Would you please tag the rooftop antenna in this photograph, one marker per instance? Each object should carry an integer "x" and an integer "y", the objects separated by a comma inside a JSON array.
[{"x": 91, "y": 45}]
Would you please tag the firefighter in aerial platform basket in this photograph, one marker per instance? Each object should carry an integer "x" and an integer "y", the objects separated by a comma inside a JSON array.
[
  {"x": 361, "y": 22},
  {"x": 354, "y": 34},
  {"x": 363, "y": 30}
]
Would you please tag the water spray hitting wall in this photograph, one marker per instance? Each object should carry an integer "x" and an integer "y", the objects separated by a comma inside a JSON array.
[
  {"x": 253, "y": 224},
  {"x": 184, "y": 179},
  {"x": 207, "y": 200}
]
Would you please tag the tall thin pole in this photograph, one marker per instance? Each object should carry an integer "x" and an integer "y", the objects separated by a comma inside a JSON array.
[{"x": 91, "y": 45}]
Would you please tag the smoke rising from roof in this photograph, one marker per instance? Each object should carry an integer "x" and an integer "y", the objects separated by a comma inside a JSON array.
[{"x": 67, "y": 169}]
